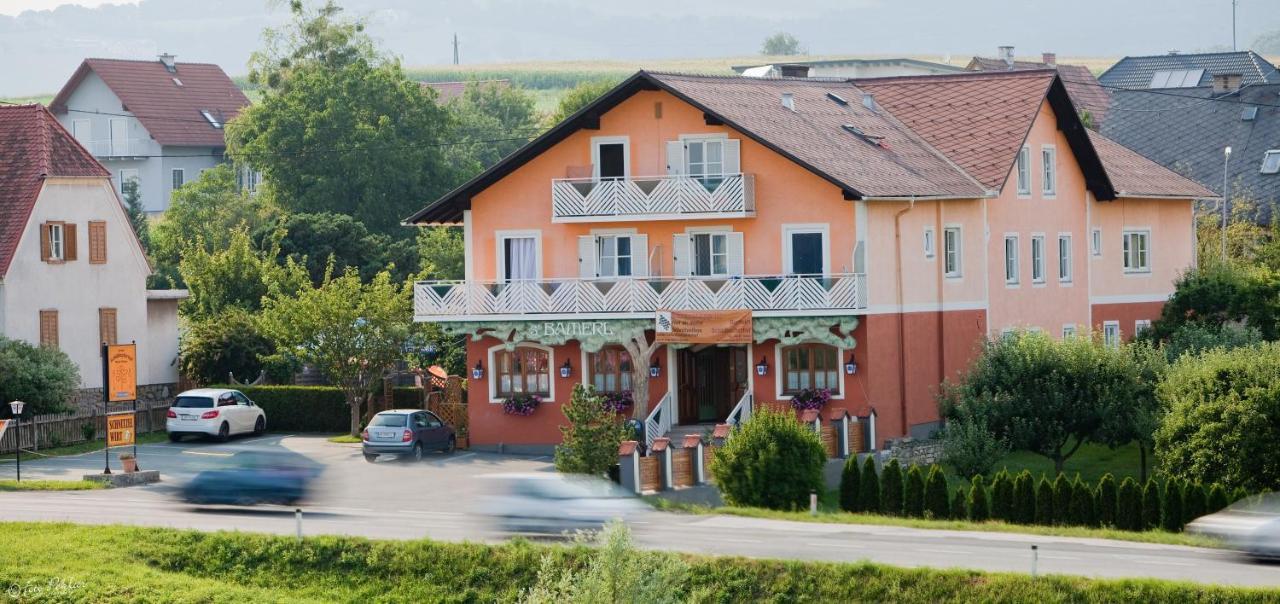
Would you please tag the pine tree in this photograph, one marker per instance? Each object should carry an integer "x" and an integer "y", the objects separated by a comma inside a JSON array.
[
  {"x": 869, "y": 492},
  {"x": 1002, "y": 497},
  {"x": 1107, "y": 500},
  {"x": 979, "y": 510},
  {"x": 1129, "y": 505},
  {"x": 1045, "y": 514},
  {"x": 935, "y": 494},
  {"x": 891, "y": 488},
  {"x": 1150, "y": 505},
  {"x": 1196, "y": 501},
  {"x": 1024, "y": 498},
  {"x": 1082, "y": 504},
  {"x": 959, "y": 507},
  {"x": 913, "y": 493},
  {"x": 1061, "y": 499},
  {"x": 1217, "y": 499},
  {"x": 1171, "y": 510},
  {"x": 850, "y": 481}
]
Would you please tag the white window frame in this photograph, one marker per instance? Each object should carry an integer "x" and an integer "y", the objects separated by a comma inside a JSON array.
[
  {"x": 1011, "y": 260},
  {"x": 1049, "y": 171},
  {"x": 958, "y": 240},
  {"x": 687, "y": 139},
  {"x": 174, "y": 175},
  {"x": 1023, "y": 171},
  {"x": 1095, "y": 241},
  {"x": 693, "y": 250},
  {"x": 492, "y": 373},
  {"x": 600, "y": 257},
  {"x": 930, "y": 243},
  {"x": 501, "y": 236},
  {"x": 1066, "y": 259},
  {"x": 1140, "y": 326},
  {"x": 1038, "y": 261},
  {"x": 1111, "y": 336},
  {"x": 596, "y": 141},
  {"x": 1142, "y": 268},
  {"x": 788, "y": 230},
  {"x": 57, "y": 242},
  {"x": 1068, "y": 330},
  {"x": 842, "y": 354}
]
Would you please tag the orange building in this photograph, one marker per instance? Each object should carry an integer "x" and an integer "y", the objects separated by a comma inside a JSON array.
[{"x": 876, "y": 230}]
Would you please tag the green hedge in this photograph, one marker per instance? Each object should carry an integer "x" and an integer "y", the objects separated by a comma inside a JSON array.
[{"x": 313, "y": 408}]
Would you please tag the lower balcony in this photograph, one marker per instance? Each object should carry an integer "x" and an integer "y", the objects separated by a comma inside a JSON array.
[{"x": 638, "y": 298}]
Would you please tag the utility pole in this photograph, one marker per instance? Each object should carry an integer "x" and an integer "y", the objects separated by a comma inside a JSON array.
[
  {"x": 455, "y": 48},
  {"x": 1226, "y": 160},
  {"x": 1234, "y": 3}
]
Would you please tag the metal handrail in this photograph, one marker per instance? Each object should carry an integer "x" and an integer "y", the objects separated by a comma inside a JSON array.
[
  {"x": 658, "y": 424},
  {"x": 741, "y": 412}
]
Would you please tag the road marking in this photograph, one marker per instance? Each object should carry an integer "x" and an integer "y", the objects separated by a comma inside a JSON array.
[
  {"x": 208, "y": 453},
  {"x": 429, "y": 513},
  {"x": 943, "y": 551},
  {"x": 732, "y": 540},
  {"x": 1053, "y": 557},
  {"x": 843, "y": 545}
]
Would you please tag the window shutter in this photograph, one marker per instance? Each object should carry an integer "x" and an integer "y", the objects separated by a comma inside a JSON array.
[
  {"x": 639, "y": 256},
  {"x": 587, "y": 257},
  {"x": 44, "y": 242},
  {"x": 734, "y": 262},
  {"x": 49, "y": 328},
  {"x": 682, "y": 247},
  {"x": 675, "y": 158},
  {"x": 732, "y": 162},
  {"x": 69, "y": 247},
  {"x": 107, "y": 325},
  {"x": 97, "y": 242}
]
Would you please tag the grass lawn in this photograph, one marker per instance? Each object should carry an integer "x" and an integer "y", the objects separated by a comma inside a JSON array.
[
  {"x": 150, "y": 438},
  {"x": 344, "y": 439},
  {"x": 1091, "y": 462},
  {"x": 50, "y": 485},
  {"x": 65, "y": 562}
]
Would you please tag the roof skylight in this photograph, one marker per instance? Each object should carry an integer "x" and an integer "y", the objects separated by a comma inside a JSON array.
[
  {"x": 1271, "y": 162},
  {"x": 212, "y": 120}
]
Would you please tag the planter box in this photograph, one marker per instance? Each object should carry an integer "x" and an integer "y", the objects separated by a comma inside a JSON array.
[
  {"x": 829, "y": 443},
  {"x": 650, "y": 476},
  {"x": 708, "y": 454},
  {"x": 682, "y": 467}
]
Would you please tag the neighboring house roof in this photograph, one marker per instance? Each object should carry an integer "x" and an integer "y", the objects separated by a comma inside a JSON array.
[
  {"x": 889, "y": 62},
  {"x": 447, "y": 91},
  {"x": 1136, "y": 176},
  {"x": 170, "y": 112},
  {"x": 1136, "y": 72},
  {"x": 1186, "y": 131},
  {"x": 35, "y": 146},
  {"x": 1085, "y": 90}
]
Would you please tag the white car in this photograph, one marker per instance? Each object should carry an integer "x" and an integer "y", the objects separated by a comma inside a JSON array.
[
  {"x": 215, "y": 412},
  {"x": 551, "y": 503}
]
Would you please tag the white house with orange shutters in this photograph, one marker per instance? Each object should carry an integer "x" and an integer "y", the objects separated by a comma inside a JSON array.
[{"x": 732, "y": 241}]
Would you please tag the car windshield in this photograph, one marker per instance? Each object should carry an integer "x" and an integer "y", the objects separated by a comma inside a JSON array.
[
  {"x": 389, "y": 420},
  {"x": 193, "y": 402}
]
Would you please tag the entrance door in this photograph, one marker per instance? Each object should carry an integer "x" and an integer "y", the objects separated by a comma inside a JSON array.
[{"x": 710, "y": 382}]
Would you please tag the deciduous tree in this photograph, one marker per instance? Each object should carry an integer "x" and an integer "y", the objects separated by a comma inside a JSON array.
[{"x": 43, "y": 377}]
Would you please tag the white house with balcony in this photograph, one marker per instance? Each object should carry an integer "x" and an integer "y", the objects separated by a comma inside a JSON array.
[{"x": 158, "y": 122}]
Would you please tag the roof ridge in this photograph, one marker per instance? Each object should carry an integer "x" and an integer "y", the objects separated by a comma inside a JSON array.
[{"x": 150, "y": 61}]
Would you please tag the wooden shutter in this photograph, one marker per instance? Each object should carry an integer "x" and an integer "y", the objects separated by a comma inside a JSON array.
[
  {"x": 733, "y": 245},
  {"x": 107, "y": 325},
  {"x": 639, "y": 255},
  {"x": 45, "y": 252},
  {"x": 49, "y": 328},
  {"x": 732, "y": 161},
  {"x": 682, "y": 246},
  {"x": 69, "y": 245},
  {"x": 587, "y": 257},
  {"x": 675, "y": 158},
  {"x": 97, "y": 242}
]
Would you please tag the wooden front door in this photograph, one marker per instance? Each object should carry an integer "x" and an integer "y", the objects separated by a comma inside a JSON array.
[{"x": 710, "y": 382}]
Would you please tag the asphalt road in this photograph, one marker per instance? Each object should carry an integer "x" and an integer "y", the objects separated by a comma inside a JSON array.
[{"x": 433, "y": 499}]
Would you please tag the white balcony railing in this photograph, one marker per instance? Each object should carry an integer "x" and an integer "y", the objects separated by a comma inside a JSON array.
[
  {"x": 652, "y": 198},
  {"x": 120, "y": 147},
  {"x": 470, "y": 300}
]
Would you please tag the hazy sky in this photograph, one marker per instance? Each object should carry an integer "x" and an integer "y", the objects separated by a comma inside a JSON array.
[{"x": 41, "y": 45}]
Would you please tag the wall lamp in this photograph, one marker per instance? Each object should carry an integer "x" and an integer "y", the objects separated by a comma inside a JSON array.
[
  {"x": 655, "y": 368},
  {"x": 850, "y": 366},
  {"x": 566, "y": 369},
  {"x": 477, "y": 372},
  {"x": 762, "y": 368}
]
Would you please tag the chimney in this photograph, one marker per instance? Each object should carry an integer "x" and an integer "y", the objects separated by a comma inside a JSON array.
[
  {"x": 789, "y": 101},
  {"x": 1049, "y": 58},
  {"x": 1005, "y": 53},
  {"x": 794, "y": 71},
  {"x": 1224, "y": 83},
  {"x": 166, "y": 59},
  {"x": 868, "y": 101}
]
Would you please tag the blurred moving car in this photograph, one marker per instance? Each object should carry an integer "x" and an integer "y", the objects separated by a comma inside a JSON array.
[
  {"x": 553, "y": 503},
  {"x": 252, "y": 477},
  {"x": 406, "y": 432},
  {"x": 1251, "y": 525},
  {"x": 215, "y": 412}
]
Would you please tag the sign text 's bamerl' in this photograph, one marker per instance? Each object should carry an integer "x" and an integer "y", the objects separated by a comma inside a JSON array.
[{"x": 572, "y": 329}]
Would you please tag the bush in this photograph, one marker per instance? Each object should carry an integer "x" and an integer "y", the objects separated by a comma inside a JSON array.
[
  {"x": 1195, "y": 338},
  {"x": 1217, "y": 499},
  {"x": 970, "y": 448},
  {"x": 959, "y": 507},
  {"x": 935, "y": 494},
  {"x": 1129, "y": 505},
  {"x": 1196, "y": 502},
  {"x": 1237, "y": 494},
  {"x": 615, "y": 572},
  {"x": 891, "y": 488},
  {"x": 589, "y": 441},
  {"x": 44, "y": 378},
  {"x": 1002, "y": 497},
  {"x": 979, "y": 510},
  {"x": 869, "y": 492},
  {"x": 913, "y": 493},
  {"x": 850, "y": 481},
  {"x": 1171, "y": 510},
  {"x": 1223, "y": 419},
  {"x": 1044, "y": 503},
  {"x": 771, "y": 461},
  {"x": 229, "y": 342},
  {"x": 301, "y": 408},
  {"x": 1107, "y": 500},
  {"x": 1062, "y": 499},
  {"x": 1082, "y": 504},
  {"x": 1024, "y": 498},
  {"x": 1150, "y": 505}
]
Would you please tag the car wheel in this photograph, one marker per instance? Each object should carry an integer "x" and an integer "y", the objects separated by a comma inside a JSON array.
[
  {"x": 370, "y": 458},
  {"x": 224, "y": 432},
  {"x": 450, "y": 446},
  {"x": 417, "y": 451},
  {"x": 260, "y": 426},
  {"x": 175, "y": 437}
]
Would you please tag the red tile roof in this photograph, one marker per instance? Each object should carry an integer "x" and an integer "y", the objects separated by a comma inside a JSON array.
[
  {"x": 1134, "y": 175},
  {"x": 1085, "y": 90},
  {"x": 171, "y": 113},
  {"x": 35, "y": 146},
  {"x": 447, "y": 91}
]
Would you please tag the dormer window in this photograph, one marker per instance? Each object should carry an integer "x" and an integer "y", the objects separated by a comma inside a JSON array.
[{"x": 212, "y": 120}]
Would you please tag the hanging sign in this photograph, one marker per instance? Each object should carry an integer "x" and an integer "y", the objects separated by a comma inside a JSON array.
[
  {"x": 4, "y": 425},
  {"x": 122, "y": 373},
  {"x": 703, "y": 326},
  {"x": 120, "y": 429}
]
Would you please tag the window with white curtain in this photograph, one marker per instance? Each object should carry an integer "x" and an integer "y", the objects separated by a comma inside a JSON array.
[{"x": 520, "y": 258}]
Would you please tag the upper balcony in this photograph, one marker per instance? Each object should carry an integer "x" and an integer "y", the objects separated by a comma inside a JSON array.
[
  {"x": 837, "y": 294},
  {"x": 119, "y": 147},
  {"x": 671, "y": 197}
]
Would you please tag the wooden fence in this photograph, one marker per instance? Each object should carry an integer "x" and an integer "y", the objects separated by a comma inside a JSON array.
[{"x": 57, "y": 429}]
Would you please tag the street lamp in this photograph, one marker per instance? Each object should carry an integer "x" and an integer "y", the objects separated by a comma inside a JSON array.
[
  {"x": 16, "y": 408},
  {"x": 1226, "y": 159}
]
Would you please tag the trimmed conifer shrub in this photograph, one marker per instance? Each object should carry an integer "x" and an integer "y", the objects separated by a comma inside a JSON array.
[
  {"x": 1045, "y": 514},
  {"x": 936, "y": 503},
  {"x": 1129, "y": 505},
  {"x": 959, "y": 504},
  {"x": 1061, "y": 499},
  {"x": 1171, "y": 508},
  {"x": 1217, "y": 499},
  {"x": 1150, "y": 505},
  {"x": 913, "y": 493},
  {"x": 1196, "y": 501},
  {"x": 850, "y": 482},
  {"x": 1082, "y": 504},
  {"x": 1107, "y": 496},
  {"x": 979, "y": 509},
  {"x": 891, "y": 488},
  {"x": 1002, "y": 497},
  {"x": 869, "y": 492},
  {"x": 1024, "y": 498}
]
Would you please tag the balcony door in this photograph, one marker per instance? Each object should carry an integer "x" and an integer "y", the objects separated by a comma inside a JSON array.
[
  {"x": 519, "y": 256},
  {"x": 805, "y": 250},
  {"x": 119, "y": 136},
  {"x": 609, "y": 157}
]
